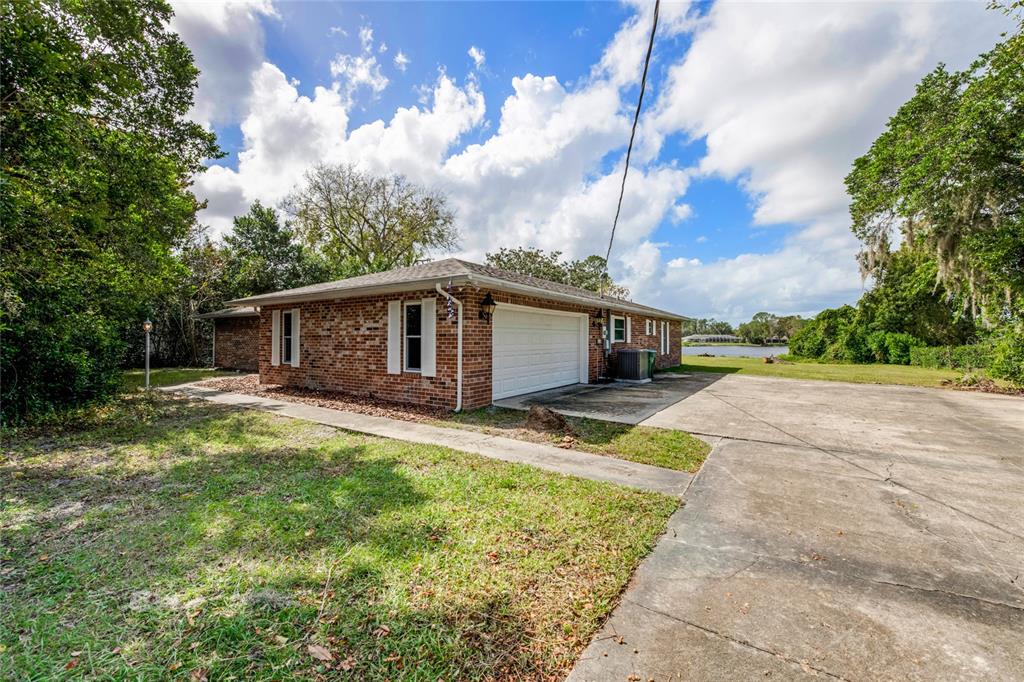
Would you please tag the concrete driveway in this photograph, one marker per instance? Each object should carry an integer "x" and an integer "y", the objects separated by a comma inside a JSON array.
[
  {"x": 839, "y": 530},
  {"x": 615, "y": 402}
]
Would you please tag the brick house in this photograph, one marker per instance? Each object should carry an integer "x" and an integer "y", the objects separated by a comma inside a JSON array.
[
  {"x": 450, "y": 333},
  {"x": 236, "y": 336}
]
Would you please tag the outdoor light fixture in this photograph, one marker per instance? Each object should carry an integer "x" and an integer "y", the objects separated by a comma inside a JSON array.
[
  {"x": 487, "y": 307},
  {"x": 147, "y": 327}
]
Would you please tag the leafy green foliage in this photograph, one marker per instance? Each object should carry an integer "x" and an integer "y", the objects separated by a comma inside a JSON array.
[
  {"x": 948, "y": 175},
  {"x": 97, "y": 157},
  {"x": 362, "y": 223},
  {"x": 262, "y": 255},
  {"x": 586, "y": 273},
  {"x": 707, "y": 326},
  {"x": 769, "y": 327}
]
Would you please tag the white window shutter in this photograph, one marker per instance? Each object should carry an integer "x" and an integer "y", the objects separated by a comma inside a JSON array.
[
  {"x": 275, "y": 338},
  {"x": 394, "y": 337},
  {"x": 295, "y": 337},
  {"x": 629, "y": 330},
  {"x": 663, "y": 336},
  {"x": 428, "y": 341}
]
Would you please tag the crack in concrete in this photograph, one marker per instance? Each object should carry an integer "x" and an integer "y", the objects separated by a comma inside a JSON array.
[
  {"x": 740, "y": 642},
  {"x": 758, "y": 557}
]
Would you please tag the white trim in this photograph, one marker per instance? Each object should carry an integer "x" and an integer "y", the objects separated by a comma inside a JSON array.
[
  {"x": 405, "y": 337},
  {"x": 584, "y": 337},
  {"x": 624, "y": 329},
  {"x": 394, "y": 337},
  {"x": 295, "y": 337},
  {"x": 458, "y": 347},
  {"x": 275, "y": 338},
  {"x": 428, "y": 337},
  {"x": 629, "y": 329}
]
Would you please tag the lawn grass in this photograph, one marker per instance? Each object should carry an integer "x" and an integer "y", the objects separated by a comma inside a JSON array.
[
  {"x": 133, "y": 379},
  {"x": 667, "y": 448},
  {"x": 165, "y": 538},
  {"x": 862, "y": 374}
]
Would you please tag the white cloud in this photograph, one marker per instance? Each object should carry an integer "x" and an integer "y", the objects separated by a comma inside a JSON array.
[
  {"x": 358, "y": 71},
  {"x": 401, "y": 61},
  {"x": 226, "y": 39},
  {"x": 702, "y": 239},
  {"x": 784, "y": 96},
  {"x": 366, "y": 38},
  {"x": 681, "y": 212},
  {"x": 477, "y": 55},
  {"x": 354, "y": 72},
  {"x": 383, "y": 47}
]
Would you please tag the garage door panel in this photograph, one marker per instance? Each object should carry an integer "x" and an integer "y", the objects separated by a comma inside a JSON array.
[{"x": 534, "y": 351}]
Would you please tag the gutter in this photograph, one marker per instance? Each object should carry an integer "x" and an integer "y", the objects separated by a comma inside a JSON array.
[{"x": 458, "y": 351}]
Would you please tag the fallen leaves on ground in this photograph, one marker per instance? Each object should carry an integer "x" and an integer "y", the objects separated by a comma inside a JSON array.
[{"x": 319, "y": 653}]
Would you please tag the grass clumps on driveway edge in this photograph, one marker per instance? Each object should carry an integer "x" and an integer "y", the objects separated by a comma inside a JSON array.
[{"x": 180, "y": 536}]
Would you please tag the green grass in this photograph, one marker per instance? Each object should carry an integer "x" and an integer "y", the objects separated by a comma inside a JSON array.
[
  {"x": 161, "y": 537},
  {"x": 861, "y": 374},
  {"x": 667, "y": 448},
  {"x": 134, "y": 379}
]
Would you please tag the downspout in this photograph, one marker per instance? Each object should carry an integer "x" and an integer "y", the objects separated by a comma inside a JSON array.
[{"x": 458, "y": 348}]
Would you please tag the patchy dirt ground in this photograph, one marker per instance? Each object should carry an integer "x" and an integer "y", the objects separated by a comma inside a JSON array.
[{"x": 250, "y": 385}]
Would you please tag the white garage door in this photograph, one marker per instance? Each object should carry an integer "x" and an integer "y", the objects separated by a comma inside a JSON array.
[{"x": 534, "y": 350}]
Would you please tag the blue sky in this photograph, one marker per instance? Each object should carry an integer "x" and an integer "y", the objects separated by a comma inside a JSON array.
[{"x": 520, "y": 112}]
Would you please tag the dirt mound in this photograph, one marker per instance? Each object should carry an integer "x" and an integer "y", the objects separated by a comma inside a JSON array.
[{"x": 543, "y": 419}]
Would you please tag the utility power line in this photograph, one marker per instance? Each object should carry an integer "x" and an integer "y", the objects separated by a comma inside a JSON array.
[{"x": 632, "y": 134}]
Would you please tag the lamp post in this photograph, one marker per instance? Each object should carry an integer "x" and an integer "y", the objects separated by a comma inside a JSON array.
[{"x": 147, "y": 327}]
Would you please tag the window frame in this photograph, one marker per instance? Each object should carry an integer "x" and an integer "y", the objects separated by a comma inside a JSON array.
[
  {"x": 649, "y": 327},
  {"x": 287, "y": 332},
  {"x": 406, "y": 336},
  {"x": 613, "y": 319}
]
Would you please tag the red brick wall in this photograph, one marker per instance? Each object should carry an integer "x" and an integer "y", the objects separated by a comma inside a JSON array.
[
  {"x": 344, "y": 348},
  {"x": 236, "y": 343},
  {"x": 640, "y": 339}
]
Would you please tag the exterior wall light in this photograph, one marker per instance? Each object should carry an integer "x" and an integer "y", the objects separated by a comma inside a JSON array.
[{"x": 487, "y": 307}]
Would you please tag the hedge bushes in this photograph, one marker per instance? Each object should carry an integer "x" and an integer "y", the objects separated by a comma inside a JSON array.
[
  {"x": 952, "y": 357},
  {"x": 1002, "y": 356}
]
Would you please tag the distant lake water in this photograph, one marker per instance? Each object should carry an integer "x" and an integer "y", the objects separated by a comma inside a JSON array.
[{"x": 736, "y": 351}]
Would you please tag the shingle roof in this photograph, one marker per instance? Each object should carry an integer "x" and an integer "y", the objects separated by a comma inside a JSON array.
[
  {"x": 241, "y": 311},
  {"x": 440, "y": 271}
]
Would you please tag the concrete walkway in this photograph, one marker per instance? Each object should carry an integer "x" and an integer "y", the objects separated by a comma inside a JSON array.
[{"x": 568, "y": 462}]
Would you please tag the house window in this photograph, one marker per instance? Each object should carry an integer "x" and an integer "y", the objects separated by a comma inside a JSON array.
[
  {"x": 413, "y": 338},
  {"x": 618, "y": 329},
  {"x": 286, "y": 337},
  {"x": 649, "y": 327}
]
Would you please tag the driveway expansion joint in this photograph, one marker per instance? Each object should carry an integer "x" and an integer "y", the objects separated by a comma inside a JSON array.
[{"x": 738, "y": 641}]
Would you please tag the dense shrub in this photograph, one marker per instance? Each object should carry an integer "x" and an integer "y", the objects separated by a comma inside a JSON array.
[
  {"x": 932, "y": 357},
  {"x": 970, "y": 357},
  {"x": 1007, "y": 360},
  {"x": 891, "y": 347},
  {"x": 814, "y": 339}
]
